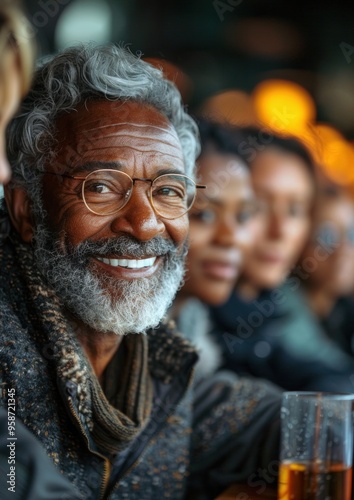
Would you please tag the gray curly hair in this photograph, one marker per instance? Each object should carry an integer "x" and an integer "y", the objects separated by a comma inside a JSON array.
[{"x": 78, "y": 74}]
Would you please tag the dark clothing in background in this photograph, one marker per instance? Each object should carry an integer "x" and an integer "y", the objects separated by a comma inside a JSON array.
[
  {"x": 35, "y": 476},
  {"x": 241, "y": 416},
  {"x": 339, "y": 325},
  {"x": 277, "y": 337}
]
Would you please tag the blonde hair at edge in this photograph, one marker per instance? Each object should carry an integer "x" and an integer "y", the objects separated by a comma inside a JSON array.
[{"x": 16, "y": 39}]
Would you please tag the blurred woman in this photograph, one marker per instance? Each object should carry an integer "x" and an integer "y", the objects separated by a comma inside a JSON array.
[
  {"x": 16, "y": 61},
  {"x": 283, "y": 180},
  {"x": 327, "y": 266},
  {"x": 222, "y": 223},
  {"x": 262, "y": 329}
]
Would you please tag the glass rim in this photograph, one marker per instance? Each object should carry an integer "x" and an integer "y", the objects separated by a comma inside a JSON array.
[{"x": 318, "y": 395}]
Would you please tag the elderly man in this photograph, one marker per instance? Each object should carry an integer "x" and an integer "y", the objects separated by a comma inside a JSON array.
[{"x": 102, "y": 156}]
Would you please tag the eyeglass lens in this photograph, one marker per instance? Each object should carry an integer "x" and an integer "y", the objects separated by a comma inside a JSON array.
[{"x": 107, "y": 191}]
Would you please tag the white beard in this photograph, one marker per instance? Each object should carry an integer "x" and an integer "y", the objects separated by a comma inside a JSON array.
[{"x": 133, "y": 306}]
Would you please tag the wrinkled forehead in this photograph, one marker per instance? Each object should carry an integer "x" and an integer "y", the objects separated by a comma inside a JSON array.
[{"x": 103, "y": 125}]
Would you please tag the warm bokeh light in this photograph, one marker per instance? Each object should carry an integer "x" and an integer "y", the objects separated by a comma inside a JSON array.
[
  {"x": 319, "y": 138},
  {"x": 332, "y": 152},
  {"x": 231, "y": 106},
  {"x": 283, "y": 106}
]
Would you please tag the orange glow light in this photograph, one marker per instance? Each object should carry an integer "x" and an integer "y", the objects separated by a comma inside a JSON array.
[
  {"x": 231, "y": 106},
  {"x": 284, "y": 106},
  {"x": 332, "y": 152}
]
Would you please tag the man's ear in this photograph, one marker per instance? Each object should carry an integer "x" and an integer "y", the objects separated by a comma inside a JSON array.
[{"x": 19, "y": 208}]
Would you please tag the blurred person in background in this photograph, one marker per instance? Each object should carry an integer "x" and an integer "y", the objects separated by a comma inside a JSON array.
[
  {"x": 31, "y": 475},
  {"x": 283, "y": 180},
  {"x": 221, "y": 230},
  {"x": 16, "y": 61},
  {"x": 262, "y": 329},
  {"x": 326, "y": 267}
]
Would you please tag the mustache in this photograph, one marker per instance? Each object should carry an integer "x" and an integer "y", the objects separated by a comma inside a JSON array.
[{"x": 125, "y": 245}]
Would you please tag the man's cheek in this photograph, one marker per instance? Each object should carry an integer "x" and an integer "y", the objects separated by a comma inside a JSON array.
[{"x": 81, "y": 226}]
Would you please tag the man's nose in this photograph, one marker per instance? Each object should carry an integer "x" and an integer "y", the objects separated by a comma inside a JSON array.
[{"x": 138, "y": 218}]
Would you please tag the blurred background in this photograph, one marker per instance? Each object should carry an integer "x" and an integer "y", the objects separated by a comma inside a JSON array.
[
  {"x": 287, "y": 65},
  {"x": 222, "y": 44}
]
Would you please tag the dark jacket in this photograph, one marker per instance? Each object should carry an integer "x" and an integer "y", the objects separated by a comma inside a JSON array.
[
  {"x": 339, "y": 324},
  {"x": 240, "y": 414},
  {"x": 41, "y": 359},
  {"x": 26, "y": 473},
  {"x": 277, "y": 337}
]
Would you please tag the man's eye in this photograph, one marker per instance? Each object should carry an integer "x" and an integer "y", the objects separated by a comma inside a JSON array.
[
  {"x": 98, "y": 188},
  {"x": 98, "y": 191},
  {"x": 103, "y": 187},
  {"x": 204, "y": 216},
  {"x": 170, "y": 192}
]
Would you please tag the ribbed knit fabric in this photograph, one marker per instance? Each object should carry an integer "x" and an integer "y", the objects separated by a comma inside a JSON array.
[{"x": 116, "y": 425}]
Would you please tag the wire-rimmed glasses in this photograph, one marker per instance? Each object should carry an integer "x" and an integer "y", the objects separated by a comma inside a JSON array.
[{"x": 107, "y": 191}]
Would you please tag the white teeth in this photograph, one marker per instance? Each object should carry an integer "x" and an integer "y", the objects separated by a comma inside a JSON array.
[{"x": 129, "y": 263}]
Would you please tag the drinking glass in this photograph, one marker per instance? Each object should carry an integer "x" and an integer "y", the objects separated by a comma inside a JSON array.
[{"x": 316, "y": 446}]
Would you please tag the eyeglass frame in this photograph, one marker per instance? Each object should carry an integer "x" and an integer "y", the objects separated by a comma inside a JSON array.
[{"x": 133, "y": 179}]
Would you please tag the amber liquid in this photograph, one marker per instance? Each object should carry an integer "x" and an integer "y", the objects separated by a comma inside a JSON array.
[{"x": 310, "y": 481}]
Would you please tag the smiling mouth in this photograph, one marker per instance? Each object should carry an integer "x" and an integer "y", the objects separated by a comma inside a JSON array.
[{"x": 129, "y": 263}]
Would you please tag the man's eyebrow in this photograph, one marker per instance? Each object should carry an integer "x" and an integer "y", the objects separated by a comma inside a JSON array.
[
  {"x": 114, "y": 165},
  {"x": 97, "y": 165},
  {"x": 172, "y": 171}
]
